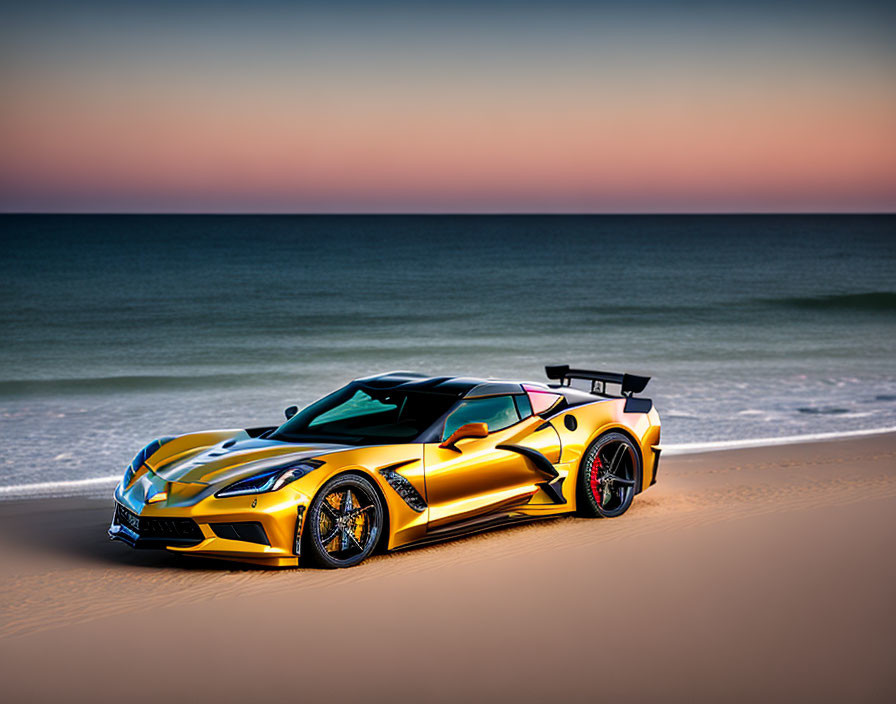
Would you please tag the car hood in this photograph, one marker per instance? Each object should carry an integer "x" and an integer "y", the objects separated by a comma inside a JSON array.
[{"x": 232, "y": 460}]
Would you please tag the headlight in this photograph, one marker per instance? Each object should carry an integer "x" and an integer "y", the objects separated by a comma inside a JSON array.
[
  {"x": 271, "y": 480},
  {"x": 141, "y": 457}
]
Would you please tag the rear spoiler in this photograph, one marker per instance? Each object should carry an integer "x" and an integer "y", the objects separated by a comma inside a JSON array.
[{"x": 629, "y": 384}]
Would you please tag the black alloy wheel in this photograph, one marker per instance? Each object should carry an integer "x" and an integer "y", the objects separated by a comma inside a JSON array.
[
  {"x": 344, "y": 522},
  {"x": 610, "y": 471}
]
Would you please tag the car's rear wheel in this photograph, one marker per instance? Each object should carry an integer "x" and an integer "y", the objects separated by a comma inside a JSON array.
[
  {"x": 344, "y": 522},
  {"x": 608, "y": 475}
]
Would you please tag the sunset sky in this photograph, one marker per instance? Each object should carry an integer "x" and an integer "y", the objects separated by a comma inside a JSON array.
[{"x": 447, "y": 107}]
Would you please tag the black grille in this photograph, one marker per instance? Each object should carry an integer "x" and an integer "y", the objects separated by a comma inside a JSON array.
[{"x": 175, "y": 530}]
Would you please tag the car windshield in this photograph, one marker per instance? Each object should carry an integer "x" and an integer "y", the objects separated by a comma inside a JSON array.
[{"x": 361, "y": 415}]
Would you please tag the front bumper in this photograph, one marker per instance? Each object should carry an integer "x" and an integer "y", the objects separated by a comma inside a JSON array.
[{"x": 264, "y": 536}]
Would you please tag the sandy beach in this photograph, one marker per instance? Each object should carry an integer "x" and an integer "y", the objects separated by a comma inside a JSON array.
[{"x": 763, "y": 573}]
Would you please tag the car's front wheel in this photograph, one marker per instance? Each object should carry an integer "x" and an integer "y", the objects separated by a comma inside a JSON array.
[
  {"x": 344, "y": 522},
  {"x": 608, "y": 475}
]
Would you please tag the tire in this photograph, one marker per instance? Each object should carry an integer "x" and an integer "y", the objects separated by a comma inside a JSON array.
[
  {"x": 341, "y": 531},
  {"x": 608, "y": 475}
]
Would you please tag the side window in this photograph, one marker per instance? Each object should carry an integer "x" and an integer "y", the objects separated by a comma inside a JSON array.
[
  {"x": 523, "y": 405},
  {"x": 498, "y": 412}
]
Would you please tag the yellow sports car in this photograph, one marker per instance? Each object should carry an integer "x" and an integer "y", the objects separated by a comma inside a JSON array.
[{"x": 391, "y": 461}]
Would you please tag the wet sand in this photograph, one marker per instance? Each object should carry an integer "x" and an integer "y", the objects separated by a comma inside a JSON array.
[{"x": 763, "y": 573}]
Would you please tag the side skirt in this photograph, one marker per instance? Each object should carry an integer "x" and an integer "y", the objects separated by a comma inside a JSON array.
[{"x": 478, "y": 525}]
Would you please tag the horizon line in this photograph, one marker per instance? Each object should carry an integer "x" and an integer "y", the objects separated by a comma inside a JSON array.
[{"x": 708, "y": 213}]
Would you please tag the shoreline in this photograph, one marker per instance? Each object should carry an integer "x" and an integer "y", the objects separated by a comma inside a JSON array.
[
  {"x": 724, "y": 445},
  {"x": 84, "y": 487}
]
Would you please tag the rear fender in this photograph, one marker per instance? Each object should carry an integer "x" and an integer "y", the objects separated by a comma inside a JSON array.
[{"x": 579, "y": 426}]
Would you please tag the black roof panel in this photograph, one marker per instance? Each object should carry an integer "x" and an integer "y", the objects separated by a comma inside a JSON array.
[
  {"x": 453, "y": 385},
  {"x": 465, "y": 386}
]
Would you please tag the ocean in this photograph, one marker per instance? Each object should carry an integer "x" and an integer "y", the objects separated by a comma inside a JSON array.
[{"x": 115, "y": 330}]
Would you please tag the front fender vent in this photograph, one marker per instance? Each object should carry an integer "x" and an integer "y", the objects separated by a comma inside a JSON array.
[{"x": 404, "y": 488}]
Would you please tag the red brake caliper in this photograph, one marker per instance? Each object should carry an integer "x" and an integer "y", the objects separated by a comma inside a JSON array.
[{"x": 596, "y": 466}]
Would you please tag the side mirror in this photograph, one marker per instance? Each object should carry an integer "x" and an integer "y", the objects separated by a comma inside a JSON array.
[
  {"x": 290, "y": 412},
  {"x": 470, "y": 430}
]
